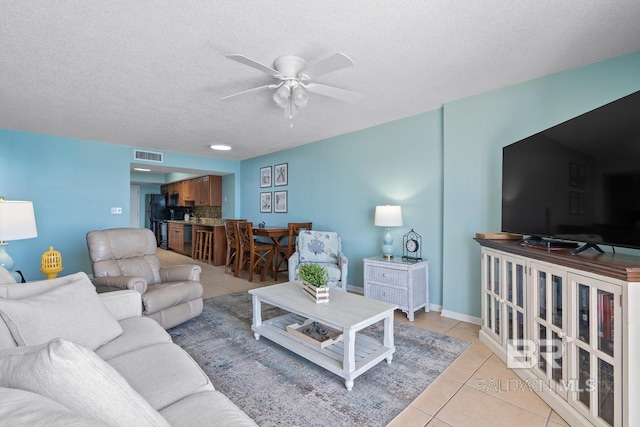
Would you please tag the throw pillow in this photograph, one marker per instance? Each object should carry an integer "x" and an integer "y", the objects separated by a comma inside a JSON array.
[
  {"x": 11, "y": 291},
  {"x": 79, "y": 380},
  {"x": 73, "y": 312}
]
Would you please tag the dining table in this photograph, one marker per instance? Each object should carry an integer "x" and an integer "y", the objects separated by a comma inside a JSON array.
[{"x": 277, "y": 234}]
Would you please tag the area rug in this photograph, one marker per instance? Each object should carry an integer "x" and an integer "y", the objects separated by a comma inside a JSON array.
[{"x": 276, "y": 387}]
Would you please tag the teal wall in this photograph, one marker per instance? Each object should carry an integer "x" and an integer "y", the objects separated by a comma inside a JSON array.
[
  {"x": 73, "y": 185},
  {"x": 443, "y": 167},
  {"x": 336, "y": 184},
  {"x": 476, "y": 129}
]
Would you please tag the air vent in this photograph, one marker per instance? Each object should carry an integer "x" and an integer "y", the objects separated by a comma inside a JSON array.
[{"x": 149, "y": 156}]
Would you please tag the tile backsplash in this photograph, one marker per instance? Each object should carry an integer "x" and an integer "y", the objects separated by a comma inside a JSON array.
[{"x": 207, "y": 211}]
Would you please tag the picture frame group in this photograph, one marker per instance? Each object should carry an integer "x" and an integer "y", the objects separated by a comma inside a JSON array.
[{"x": 276, "y": 176}]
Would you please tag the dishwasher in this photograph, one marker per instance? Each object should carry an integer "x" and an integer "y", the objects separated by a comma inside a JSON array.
[{"x": 187, "y": 240}]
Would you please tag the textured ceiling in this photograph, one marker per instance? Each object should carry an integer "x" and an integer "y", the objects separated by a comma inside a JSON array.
[{"x": 151, "y": 73}]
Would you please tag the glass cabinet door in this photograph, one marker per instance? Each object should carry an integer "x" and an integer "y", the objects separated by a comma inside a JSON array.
[
  {"x": 514, "y": 276},
  {"x": 491, "y": 286},
  {"x": 549, "y": 322},
  {"x": 595, "y": 349}
]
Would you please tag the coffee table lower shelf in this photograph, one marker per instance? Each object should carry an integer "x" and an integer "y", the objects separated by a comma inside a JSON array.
[{"x": 368, "y": 351}]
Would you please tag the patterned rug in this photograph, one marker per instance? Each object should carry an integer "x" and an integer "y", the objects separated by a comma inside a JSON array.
[{"x": 276, "y": 387}]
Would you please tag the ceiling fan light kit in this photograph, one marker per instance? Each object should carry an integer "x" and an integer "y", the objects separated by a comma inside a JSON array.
[{"x": 292, "y": 93}]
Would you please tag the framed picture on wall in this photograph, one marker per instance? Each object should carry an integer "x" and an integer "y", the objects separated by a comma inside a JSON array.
[
  {"x": 265, "y": 201},
  {"x": 281, "y": 201},
  {"x": 265, "y": 177},
  {"x": 281, "y": 172}
]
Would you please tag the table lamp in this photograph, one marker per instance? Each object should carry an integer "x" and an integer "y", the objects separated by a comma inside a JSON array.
[
  {"x": 388, "y": 216},
  {"x": 17, "y": 222}
]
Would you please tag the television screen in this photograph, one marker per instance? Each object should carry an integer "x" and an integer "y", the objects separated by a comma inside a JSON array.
[{"x": 579, "y": 180}]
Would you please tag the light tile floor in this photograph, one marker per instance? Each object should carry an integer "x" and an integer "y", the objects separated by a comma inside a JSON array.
[{"x": 474, "y": 391}]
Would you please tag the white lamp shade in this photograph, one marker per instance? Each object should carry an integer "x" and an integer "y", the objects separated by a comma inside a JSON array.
[
  {"x": 388, "y": 216},
  {"x": 17, "y": 220}
]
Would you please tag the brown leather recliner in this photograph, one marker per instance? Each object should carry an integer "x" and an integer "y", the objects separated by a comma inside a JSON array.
[{"x": 125, "y": 258}]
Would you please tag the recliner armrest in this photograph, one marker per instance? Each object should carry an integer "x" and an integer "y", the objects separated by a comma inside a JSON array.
[
  {"x": 135, "y": 283},
  {"x": 176, "y": 273}
]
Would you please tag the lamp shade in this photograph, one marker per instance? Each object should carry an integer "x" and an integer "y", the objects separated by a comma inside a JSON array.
[
  {"x": 388, "y": 216},
  {"x": 17, "y": 220}
]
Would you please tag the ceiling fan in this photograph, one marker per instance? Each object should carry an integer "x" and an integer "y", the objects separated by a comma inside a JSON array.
[{"x": 295, "y": 76}]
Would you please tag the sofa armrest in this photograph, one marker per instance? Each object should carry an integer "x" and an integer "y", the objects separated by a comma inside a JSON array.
[
  {"x": 176, "y": 273},
  {"x": 135, "y": 283},
  {"x": 123, "y": 304}
]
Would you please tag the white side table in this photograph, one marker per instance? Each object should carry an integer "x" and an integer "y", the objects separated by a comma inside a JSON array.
[{"x": 399, "y": 282}]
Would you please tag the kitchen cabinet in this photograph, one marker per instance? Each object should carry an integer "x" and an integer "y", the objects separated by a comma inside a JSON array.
[
  {"x": 566, "y": 324},
  {"x": 208, "y": 190},
  {"x": 176, "y": 237},
  {"x": 202, "y": 191}
]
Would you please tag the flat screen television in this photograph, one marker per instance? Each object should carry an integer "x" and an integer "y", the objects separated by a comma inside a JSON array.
[{"x": 578, "y": 181}]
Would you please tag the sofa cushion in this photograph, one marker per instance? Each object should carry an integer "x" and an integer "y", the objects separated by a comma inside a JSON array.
[
  {"x": 137, "y": 332},
  {"x": 5, "y": 276},
  {"x": 78, "y": 379},
  {"x": 162, "y": 373},
  {"x": 206, "y": 409},
  {"x": 23, "y": 408},
  {"x": 72, "y": 311}
]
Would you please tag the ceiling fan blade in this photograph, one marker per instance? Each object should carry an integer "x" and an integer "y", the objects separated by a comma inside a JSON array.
[
  {"x": 326, "y": 66},
  {"x": 255, "y": 64},
  {"x": 334, "y": 92},
  {"x": 255, "y": 89}
]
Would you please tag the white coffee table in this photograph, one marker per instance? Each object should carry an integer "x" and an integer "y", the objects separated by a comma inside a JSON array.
[{"x": 350, "y": 313}]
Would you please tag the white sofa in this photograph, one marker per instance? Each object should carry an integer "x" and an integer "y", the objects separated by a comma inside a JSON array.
[{"x": 72, "y": 357}]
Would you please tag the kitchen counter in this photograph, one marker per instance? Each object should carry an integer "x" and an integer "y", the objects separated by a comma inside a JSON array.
[
  {"x": 203, "y": 221},
  {"x": 182, "y": 239}
]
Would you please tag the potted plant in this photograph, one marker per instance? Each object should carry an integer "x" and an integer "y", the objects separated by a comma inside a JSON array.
[{"x": 314, "y": 278}]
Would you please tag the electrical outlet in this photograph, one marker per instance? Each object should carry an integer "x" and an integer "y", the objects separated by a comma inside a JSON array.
[{"x": 116, "y": 211}]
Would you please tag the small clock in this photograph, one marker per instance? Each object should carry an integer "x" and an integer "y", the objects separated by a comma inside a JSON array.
[{"x": 412, "y": 246}]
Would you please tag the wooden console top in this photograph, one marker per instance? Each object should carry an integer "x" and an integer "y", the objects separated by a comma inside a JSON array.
[{"x": 617, "y": 266}]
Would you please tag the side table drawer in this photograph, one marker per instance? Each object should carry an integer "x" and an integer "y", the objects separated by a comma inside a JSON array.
[
  {"x": 388, "y": 294},
  {"x": 390, "y": 276}
]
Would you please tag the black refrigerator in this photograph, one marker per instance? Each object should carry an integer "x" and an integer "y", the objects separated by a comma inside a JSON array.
[{"x": 158, "y": 214}]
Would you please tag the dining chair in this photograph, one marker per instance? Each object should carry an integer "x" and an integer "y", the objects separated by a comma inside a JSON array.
[
  {"x": 251, "y": 253},
  {"x": 232, "y": 246},
  {"x": 294, "y": 229}
]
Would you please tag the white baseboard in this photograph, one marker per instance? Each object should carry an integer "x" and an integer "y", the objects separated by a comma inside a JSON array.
[
  {"x": 461, "y": 317},
  {"x": 355, "y": 289}
]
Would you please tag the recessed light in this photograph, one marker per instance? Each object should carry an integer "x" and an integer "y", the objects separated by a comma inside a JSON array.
[
  {"x": 220, "y": 147},
  {"x": 142, "y": 170}
]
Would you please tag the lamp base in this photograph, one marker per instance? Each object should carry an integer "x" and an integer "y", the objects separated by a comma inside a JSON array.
[
  {"x": 7, "y": 262},
  {"x": 388, "y": 250}
]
